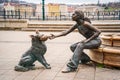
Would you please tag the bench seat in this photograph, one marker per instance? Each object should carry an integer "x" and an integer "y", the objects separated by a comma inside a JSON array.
[
  {"x": 106, "y": 55},
  {"x": 111, "y": 39}
]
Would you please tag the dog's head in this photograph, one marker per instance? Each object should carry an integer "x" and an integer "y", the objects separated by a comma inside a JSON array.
[{"x": 38, "y": 38}]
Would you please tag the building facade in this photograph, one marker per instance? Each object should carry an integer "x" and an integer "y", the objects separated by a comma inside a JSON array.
[
  {"x": 38, "y": 10},
  {"x": 91, "y": 10},
  {"x": 63, "y": 10},
  {"x": 53, "y": 10}
]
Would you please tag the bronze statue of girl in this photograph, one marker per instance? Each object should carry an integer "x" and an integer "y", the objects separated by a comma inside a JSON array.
[{"x": 86, "y": 29}]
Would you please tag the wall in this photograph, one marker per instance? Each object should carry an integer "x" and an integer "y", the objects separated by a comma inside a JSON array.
[{"x": 10, "y": 23}]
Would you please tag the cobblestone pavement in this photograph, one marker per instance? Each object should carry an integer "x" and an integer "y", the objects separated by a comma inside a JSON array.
[{"x": 14, "y": 43}]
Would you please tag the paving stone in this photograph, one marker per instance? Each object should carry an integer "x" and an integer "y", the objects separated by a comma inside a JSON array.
[{"x": 14, "y": 43}]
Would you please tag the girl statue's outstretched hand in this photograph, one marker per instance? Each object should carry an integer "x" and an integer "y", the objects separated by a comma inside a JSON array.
[{"x": 52, "y": 36}]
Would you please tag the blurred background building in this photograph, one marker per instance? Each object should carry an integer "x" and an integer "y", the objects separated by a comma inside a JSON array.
[{"x": 27, "y": 9}]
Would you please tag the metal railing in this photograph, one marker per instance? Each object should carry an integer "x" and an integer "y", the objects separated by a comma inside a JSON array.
[{"x": 99, "y": 15}]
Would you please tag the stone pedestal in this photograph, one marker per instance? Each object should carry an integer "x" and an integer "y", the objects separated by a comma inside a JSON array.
[{"x": 109, "y": 52}]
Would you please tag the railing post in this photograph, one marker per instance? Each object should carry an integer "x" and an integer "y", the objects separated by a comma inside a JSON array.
[
  {"x": 114, "y": 15},
  {"x": 98, "y": 14},
  {"x": 19, "y": 13},
  {"x": 25, "y": 14},
  {"x": 12, "y": 14},
  {"x": 33, "y": 12},
  {"x": 103, "y": 14},
  {"x": 60, "y": 15},
  {"x": 15, "y": 14},
  {"x": 119, "y": 14},
  {"x": 4, "y": 13}
]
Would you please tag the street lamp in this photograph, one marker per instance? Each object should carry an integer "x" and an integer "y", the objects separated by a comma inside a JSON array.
[{"x": 43, "y": 9}]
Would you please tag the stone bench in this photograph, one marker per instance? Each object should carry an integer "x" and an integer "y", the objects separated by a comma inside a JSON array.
[
  {"x": 111, "y": 39},
  {"x": 109, "y": 52},
  {"x": 106, "y": 55}
]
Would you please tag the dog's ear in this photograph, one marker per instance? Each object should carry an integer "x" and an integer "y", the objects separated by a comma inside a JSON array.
[
  {"x": 37, "y": 31},
  {"x": 32, "y": 36}
]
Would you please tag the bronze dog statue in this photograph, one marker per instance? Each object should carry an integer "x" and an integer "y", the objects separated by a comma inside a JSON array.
[{"x": 35, "y": 53}]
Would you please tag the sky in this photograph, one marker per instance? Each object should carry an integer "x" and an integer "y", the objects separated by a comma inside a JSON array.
[{"x": 71, "y": 1}]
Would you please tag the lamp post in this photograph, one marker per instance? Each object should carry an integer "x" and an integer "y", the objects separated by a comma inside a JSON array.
[
  {"x": 43, "y": 9},
  {"x": 98, "y": 3}
]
